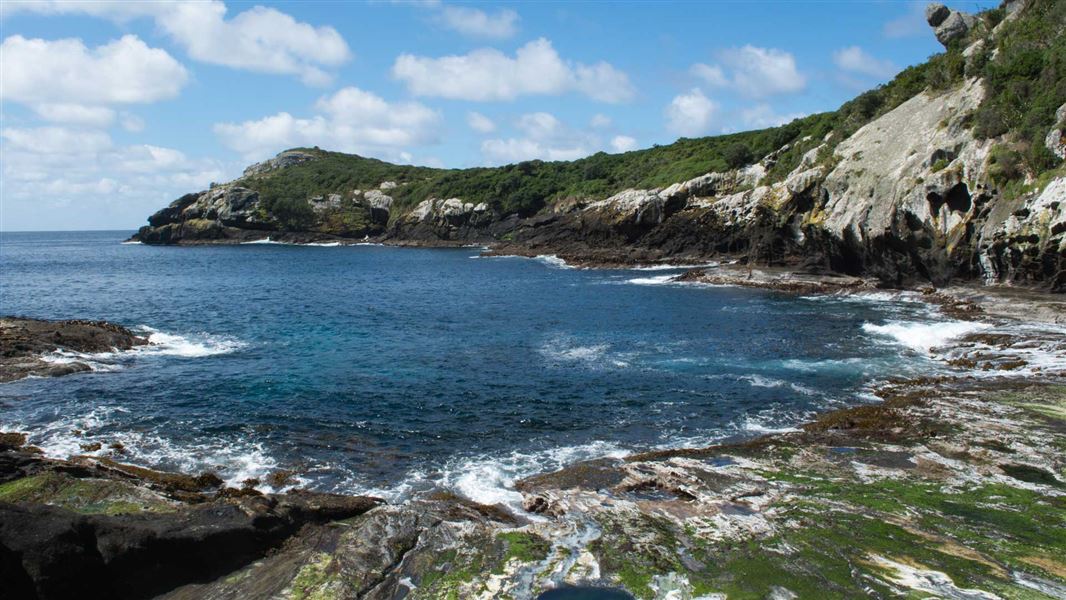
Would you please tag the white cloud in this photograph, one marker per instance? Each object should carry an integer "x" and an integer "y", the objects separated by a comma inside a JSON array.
[
  {"x": 754, "y": 72},
  {"x": 517, "y": 150},
  {"x": 480, "y": 123},
  {"x": 488, "y": 74},
  {"x": 131, "y": 123},
  {"x": 856, "y": 60},
  {"x": 351, "y": 120},
  {"x": 54, "y": 140},
  {"x": 762, "y": 116},
  {"x": 259, "y": 39},
  {"x": 623, "y": 143},
  {"x": 94, "y": 182},
  {"x": 540, "y": 126},
  {"x": 478, "y": 23},
  {"x": 543, "y": 137},
  {"x": 712, "y": 74},
  {"x": 691, "y": 114},
  {"x": 600, "y": 121},
  {"x": 75, "y": 80},
  {"x": 604, "y": 83},
  {"x": 76, "y": 114}
]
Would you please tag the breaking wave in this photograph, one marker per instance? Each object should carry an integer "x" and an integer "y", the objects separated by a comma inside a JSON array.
[{"x": 924, "y": 337}]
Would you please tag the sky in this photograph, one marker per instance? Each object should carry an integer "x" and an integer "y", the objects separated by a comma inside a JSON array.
[{"x": 110, "y": 110}]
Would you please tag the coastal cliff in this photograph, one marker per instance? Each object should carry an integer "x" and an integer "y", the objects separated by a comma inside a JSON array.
[{"x": 952, "y": 171}]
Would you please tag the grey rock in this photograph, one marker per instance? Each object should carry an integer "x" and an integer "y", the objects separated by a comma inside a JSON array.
[
  {"x": 282, "y": 160},
  {"x": 954, "y": 27},
  {"x": 935, "y": 13}
]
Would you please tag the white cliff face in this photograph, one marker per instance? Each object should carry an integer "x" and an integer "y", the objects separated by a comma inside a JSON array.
[
  {"x": 909, "y": 190},
  {"x": 896, "y": 162}
]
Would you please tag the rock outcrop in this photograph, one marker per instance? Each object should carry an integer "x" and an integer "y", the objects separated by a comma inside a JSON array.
[
  {"x": 25, "y": 342},
  {"x": 949, "y": 25},
  {"x": 87, "y": 530}
]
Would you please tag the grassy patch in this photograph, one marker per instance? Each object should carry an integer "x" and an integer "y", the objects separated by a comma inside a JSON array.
[{"x": 87, "y": 496}]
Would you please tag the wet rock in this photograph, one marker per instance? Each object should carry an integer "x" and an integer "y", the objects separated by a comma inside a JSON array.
[
  {"x": 95, "y": 546},
  {"x": 24, "y": 341}
]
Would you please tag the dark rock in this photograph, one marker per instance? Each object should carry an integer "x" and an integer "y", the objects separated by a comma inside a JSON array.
[
  {"x": 23, "y": 341},
  {"x": 935, "y": 13},
  {"x": 48, "y": 552}
]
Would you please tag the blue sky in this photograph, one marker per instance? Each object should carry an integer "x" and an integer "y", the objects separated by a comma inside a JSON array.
[{"x": 112, "y": 109}]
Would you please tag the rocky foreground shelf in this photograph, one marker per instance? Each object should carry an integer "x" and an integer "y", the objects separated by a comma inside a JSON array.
[{"x": 949, "y": 488}]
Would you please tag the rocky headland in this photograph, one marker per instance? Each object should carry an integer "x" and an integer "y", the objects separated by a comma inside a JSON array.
[{"x": 934, "y": 178}]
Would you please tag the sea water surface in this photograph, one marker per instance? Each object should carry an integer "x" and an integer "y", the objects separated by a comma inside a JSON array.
[{"x": 389, "y": 370}]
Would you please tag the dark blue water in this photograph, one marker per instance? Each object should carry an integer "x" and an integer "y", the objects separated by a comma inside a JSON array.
[{"x": 395, "y": 369}]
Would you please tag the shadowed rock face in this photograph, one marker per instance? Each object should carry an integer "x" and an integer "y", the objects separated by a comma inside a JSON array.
[
  {"x": 23, "y": 342},
  {"x": 117, "y": 536}
]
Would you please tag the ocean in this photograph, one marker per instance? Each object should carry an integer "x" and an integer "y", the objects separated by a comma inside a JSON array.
[{"x": 392, "y": 371}]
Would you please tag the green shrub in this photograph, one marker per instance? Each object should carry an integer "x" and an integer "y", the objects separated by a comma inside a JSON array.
[{"x": 737, "y": 155}]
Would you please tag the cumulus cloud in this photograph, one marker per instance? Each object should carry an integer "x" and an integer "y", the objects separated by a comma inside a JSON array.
[
  {"x": 543, "y": 136},
  {"x": 540, "y": 125},
  {"x": 514, "y": 150},
  {"x": 600, "y": 121},
  {"x": 754, "y": 72},
  {"x": 76, "y": 114},
  {"x": 487, "y": 75},
  {"x": 480, "y": 123},
  {"x": 68, "y": 82},
  {"x": 350, "y": 120},
  {"x": 95, "y": 182},
  {"x": 763, "y": 115},
  {"x": 691, "y": 114},
  {"x": 856, "y": 60},
  {"x": 623, "y": 143},
  {"x": 477, "y": 23},
  {"x": 259, "y": 39}
]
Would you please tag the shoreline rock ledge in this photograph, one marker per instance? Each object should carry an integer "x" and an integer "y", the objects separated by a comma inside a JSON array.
[{"x": 24, "y": 342}]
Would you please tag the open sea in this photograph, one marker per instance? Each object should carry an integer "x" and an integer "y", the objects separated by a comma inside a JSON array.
[{"x": 393, "y": 371}]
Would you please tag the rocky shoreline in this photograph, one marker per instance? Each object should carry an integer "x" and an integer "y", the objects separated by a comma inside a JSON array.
[{"x": 951, "y": 486}]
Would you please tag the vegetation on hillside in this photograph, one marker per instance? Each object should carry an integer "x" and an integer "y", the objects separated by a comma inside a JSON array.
[{"x": 1026, "y": 82}]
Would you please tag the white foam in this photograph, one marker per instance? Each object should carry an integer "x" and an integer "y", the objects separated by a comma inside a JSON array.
[
  {"x": 235, "y": 460},
  {"x": 267, "y": 240},
  {"x": 767, "y": 382},
  {"x": 878, "y": 297},
  {"x": 757, "y": 425},
  {"x": 671, "y": 267},
  {"x": 923, "y": 337},
  {"x": 553, "y": 261},
  {"x": 654, "y": 280},
  {"x": 194, "y": 346},
  {"x": 159, "y": 344},
  {"x": 490, "y": 479},
  {"x": 563, "y": 350}
]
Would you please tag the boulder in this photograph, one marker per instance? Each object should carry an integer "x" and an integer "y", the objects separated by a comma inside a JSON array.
[{"x": 949, "y": 25}]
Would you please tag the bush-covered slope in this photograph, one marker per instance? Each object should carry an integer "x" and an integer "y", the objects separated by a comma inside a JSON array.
[{"x": 1026, "y": 83}]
